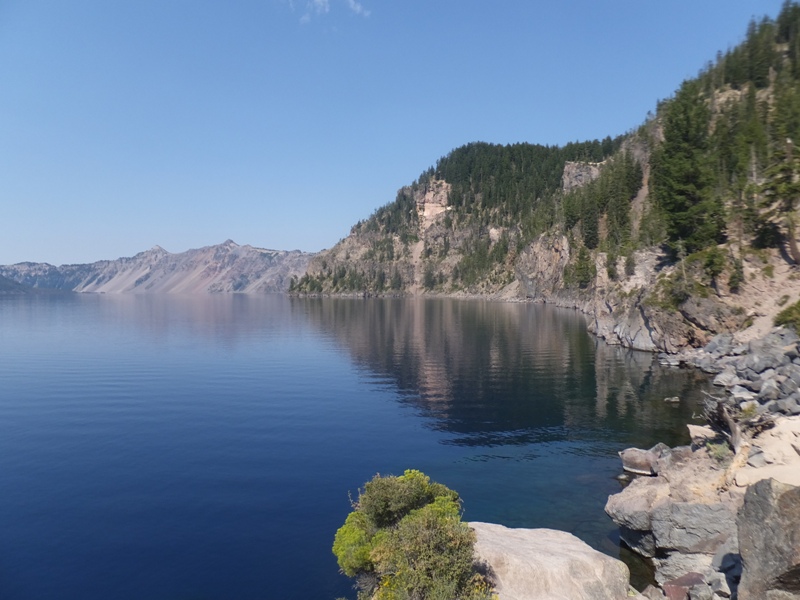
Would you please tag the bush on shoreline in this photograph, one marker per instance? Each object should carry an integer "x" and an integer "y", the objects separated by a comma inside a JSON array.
[{"x": 405, "y": 540}]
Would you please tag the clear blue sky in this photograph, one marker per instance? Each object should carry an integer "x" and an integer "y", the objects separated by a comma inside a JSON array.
[{"x": 280, "y": 123}]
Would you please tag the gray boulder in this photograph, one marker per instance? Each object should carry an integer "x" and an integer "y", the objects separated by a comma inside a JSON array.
[
  {"x": 769, "y": 542},
  {"x": 727, "y": 377},
  {"x": 544, "y": 564},
  {"x": 691, "y": 527}
]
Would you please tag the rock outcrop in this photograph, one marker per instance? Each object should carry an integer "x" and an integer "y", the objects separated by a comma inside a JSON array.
[
  {"x": 578, "y": 174},
  {"x": 544, "y": 564},
  {"x": 769, "y": 542},
  {"x": 227, "y": 267},
  {"x": 621, "y": 311},
  {"x": 760, "y": 376},
  {"x": 678, "y": 518},
  {"x": 714, "y": 514}
]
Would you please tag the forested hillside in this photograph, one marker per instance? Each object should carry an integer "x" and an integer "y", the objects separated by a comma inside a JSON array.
[{"x": 703, "y": 194}]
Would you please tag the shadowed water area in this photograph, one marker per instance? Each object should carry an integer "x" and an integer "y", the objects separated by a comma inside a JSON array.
[{"x": 204, "y": 447}]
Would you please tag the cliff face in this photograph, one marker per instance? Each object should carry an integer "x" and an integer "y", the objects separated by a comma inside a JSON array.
[
  {"x": 626, "y": 301},
  {"x": 622, "y": 310},
  {"x": 226, "y": 267},
  {"x": 7, "y": 286}
]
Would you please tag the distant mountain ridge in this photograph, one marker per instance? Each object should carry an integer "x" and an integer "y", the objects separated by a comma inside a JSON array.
[{"x": 223, "y": 268}]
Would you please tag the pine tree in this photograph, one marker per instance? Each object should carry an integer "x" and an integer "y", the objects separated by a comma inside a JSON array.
[
  {"x": 683, "y": 178},
  {"x": 781, "y": 193}
]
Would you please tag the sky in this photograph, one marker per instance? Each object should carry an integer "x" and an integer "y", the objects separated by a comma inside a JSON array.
[{"x": 281, "y": 123}]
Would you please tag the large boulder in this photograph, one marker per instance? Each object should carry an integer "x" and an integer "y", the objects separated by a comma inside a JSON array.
[
  {"x": 544, "y": 564},
  {"x": 632, "y": 511},
  {"x": 769, "y": 542}
]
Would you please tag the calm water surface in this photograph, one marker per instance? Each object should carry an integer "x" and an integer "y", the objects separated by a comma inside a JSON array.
[{"x": 204, "y": 447}]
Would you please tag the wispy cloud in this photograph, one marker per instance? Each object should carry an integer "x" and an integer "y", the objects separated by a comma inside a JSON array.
[
  {"x": 315, "y": 8},
  {"x": 357, "y": 8}
]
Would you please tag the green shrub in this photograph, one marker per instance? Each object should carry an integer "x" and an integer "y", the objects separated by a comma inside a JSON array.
[
  {"x": 405, "y": 539},
  {"x": 713, "y": 263},
  {"x": 720, "y": 452},
  {"x": 736, "y": 278},
  {"x": 630, "y": 265},
  {"x": 789, "y": 316}
]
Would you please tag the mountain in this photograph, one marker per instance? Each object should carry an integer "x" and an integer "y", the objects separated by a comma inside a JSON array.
[
  {"x": 680, "y": 229},
  {"x": 7, "y": 286},
  {"x": 226, "y": 267}
]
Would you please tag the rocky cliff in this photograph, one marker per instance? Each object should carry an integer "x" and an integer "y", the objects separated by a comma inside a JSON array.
[
  {"x": 227, "y": 267},
  {"x": 7, "y": 286}
]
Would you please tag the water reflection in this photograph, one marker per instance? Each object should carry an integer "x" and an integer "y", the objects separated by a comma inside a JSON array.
[
  {"x": 486, "y": 374},
  {"x": 495, "y": 374}
]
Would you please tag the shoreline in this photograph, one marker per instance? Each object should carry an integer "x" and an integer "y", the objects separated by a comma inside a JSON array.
[{"x": 689, "y": 515}]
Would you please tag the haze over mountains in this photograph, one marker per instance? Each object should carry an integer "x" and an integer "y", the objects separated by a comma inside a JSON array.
[{"x": 223, "y": 268}]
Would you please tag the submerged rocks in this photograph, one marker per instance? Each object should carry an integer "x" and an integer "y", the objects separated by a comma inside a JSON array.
[
  {"x": 769, "y": 542},
  {"x": 544, "y": 564}
]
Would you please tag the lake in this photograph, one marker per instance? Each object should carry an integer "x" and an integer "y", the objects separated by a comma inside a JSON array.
[{"x": 178, "y": 448}]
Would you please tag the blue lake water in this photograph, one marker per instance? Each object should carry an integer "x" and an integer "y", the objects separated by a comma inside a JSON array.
[{"x": 204, "y": 447}]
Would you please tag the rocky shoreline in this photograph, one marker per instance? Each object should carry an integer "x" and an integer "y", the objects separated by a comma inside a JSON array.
[{"x": 715, "y": 523}]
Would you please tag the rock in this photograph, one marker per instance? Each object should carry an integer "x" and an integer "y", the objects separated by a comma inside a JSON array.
[
  {"x": 700, "y": 592},
  {"x": 727, "y": 559},
  {"x": 789, "y": 406},
  {"x": 691, "y": 527},
  {"x": 719, "y": 585},
  {"x": 700, "y": 434},
  {"x": 678, "y": 589},
  {"x": 740, "y": 394},
  {"x": 754, "y": 385},
  {"x": 644, "y": 462},
  {"x": 788, "y": 474},
  {"x": 769, "y": 542},
  {"x": 631, "y": 510},
  {"x": 792, "y": 372},
  {"x": 674, "y": 565},
  {"x": 770, "y": 390},
  {"x": 636, "y": 460},
  {"x": 720, "y": 344},
  {"x": 789, "y": 387},
  {"x": 652, "y": 593},
  {"x": 727, "y": 377},
  {"x": 544, "y": 564},
  {"x": 757, "y": 458}
]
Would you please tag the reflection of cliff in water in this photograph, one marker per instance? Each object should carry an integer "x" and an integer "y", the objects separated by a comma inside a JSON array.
[{"x": 498, "y": 373}]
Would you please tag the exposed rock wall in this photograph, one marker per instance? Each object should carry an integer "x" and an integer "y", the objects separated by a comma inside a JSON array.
[
  {"x": 578, "y": 174},
  {"x": 618, "y": 311}
]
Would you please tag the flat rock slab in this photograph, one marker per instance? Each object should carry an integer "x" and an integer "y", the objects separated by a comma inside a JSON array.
[
  {"x": 780, "y": 450},
  {"x": 545, "y": 564}
]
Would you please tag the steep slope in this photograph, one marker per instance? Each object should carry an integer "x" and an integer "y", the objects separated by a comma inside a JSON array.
[
  {"x": 673, "y": 233},
  {"x": 226, "y": 267},
  {"x": 7, "y": 286}
]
